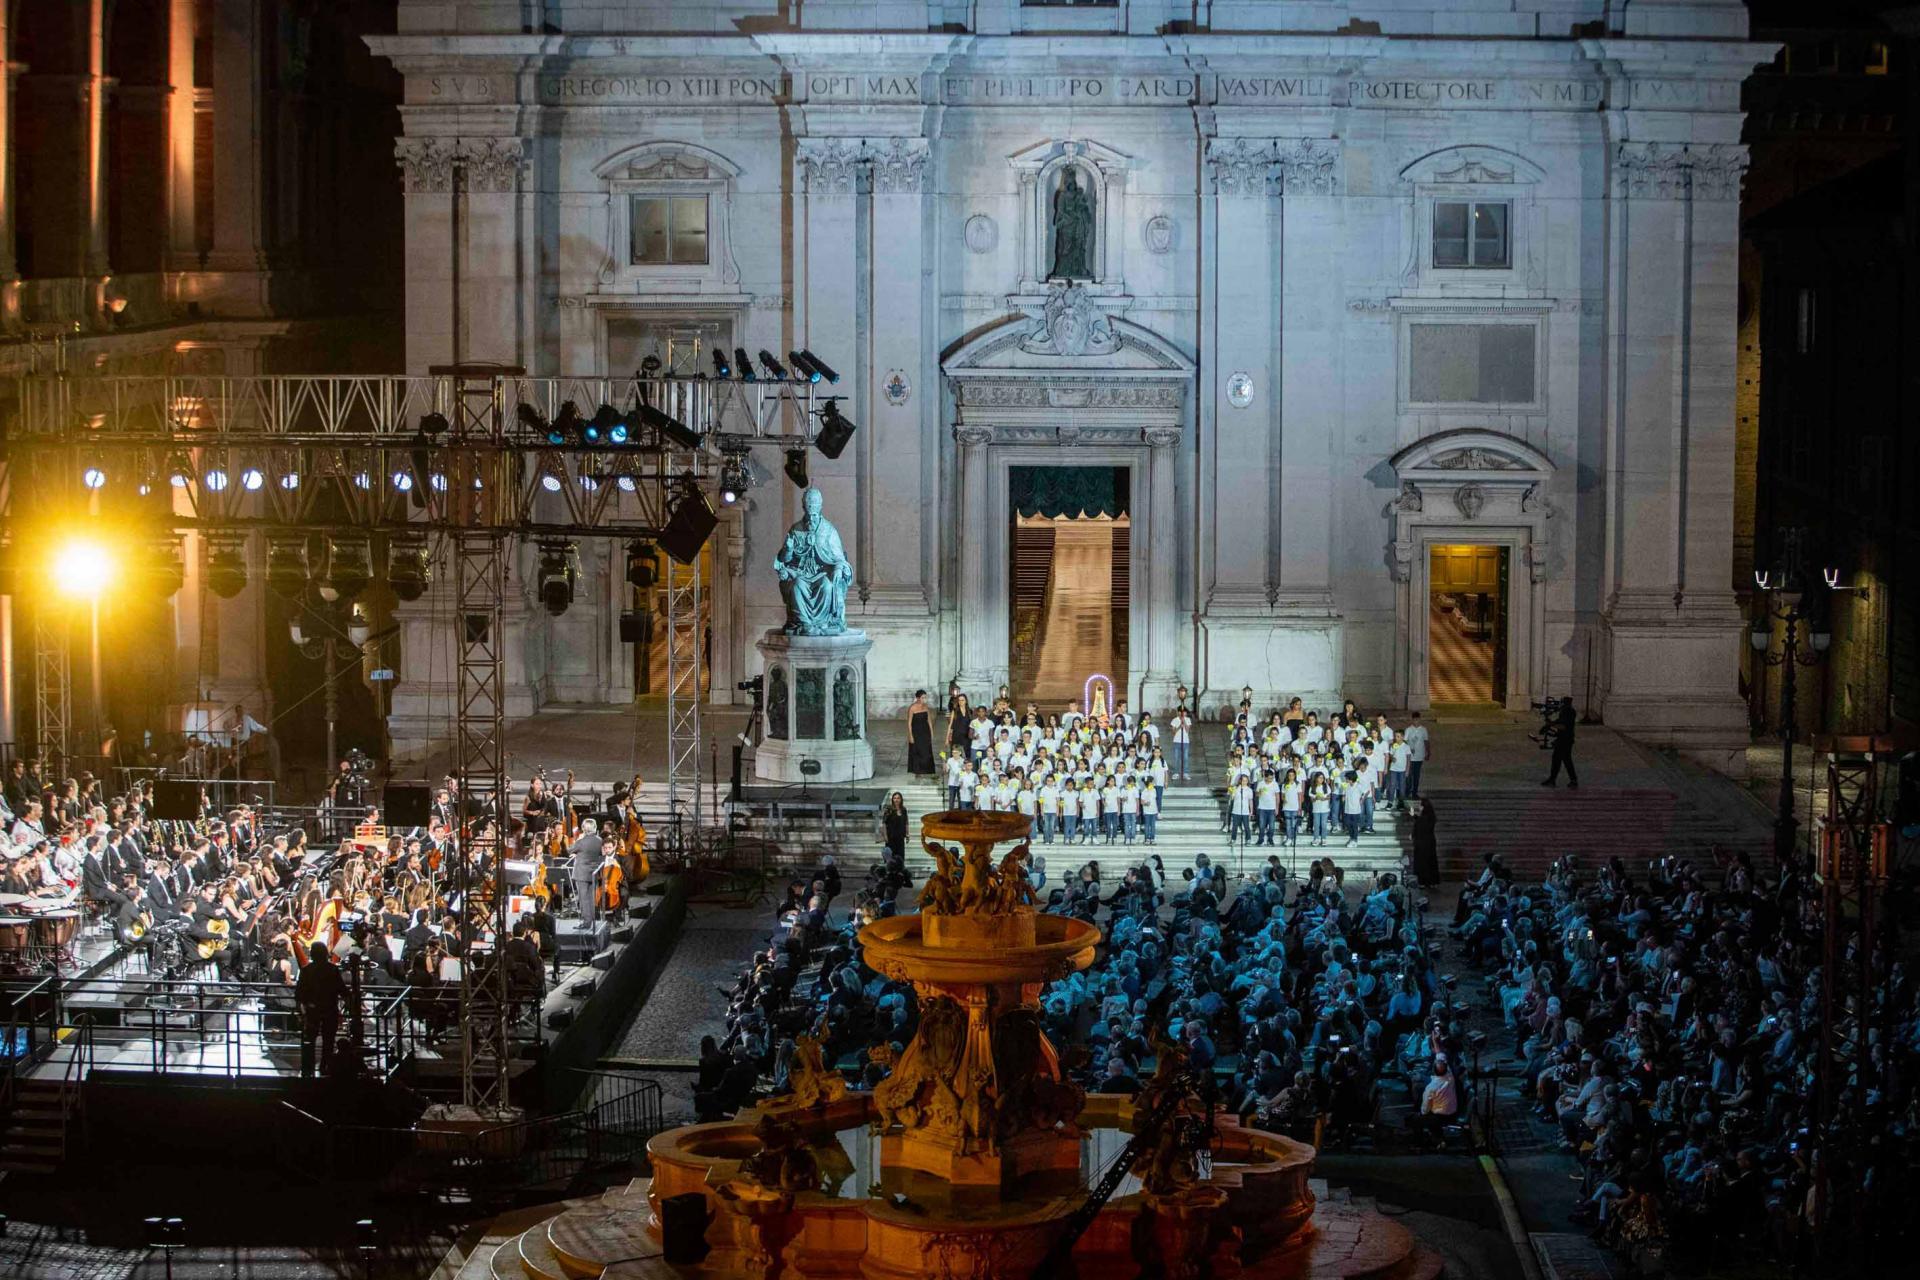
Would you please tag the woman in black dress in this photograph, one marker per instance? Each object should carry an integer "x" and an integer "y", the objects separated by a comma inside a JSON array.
[
  {"x": 920, "y": 735},
  {"x": 893, "y": 820},
  {"x": 959, "y": 721},
  {"x": 1426, "y": 845}
]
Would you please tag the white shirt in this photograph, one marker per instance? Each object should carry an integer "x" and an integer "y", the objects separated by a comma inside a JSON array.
[
  {"x": 1026, "y": 801},
  {"x": 1050, "y": 799},
  {"x": 1089, "y": 803},
  {"x": 1149, "y": 801},
  {"x": 1397, "y": 757},
  {"x": 1183, "y": 728},
  {"x": 1242, "y": 801},
  {"x": 1417, "y": 742}
]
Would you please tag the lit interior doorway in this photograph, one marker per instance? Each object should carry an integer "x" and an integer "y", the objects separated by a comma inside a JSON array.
[
  {"x": 1467, "y": 623},
  {"x": 1070, "y": 581}
]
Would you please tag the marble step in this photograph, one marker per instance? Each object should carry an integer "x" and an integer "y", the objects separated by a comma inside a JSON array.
[
  {"x": 536, "y": 1257},
  {"x": 588, "y": 1241}
]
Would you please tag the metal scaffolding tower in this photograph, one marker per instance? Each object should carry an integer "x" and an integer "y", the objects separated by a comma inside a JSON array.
[
  {"x": 52, "y": 683},
  {"x": 686, "y": 643}
]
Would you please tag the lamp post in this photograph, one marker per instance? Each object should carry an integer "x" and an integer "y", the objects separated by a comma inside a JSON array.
[
  {"x": 330, "y": 646},
  {"x": 1787, "y": 581}
]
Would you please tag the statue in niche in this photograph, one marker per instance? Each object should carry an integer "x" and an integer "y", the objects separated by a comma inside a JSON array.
[
  {"x": 1072, "y": 230},
  {"x": 845, "y": 723},
  {"x": 814, "y": 574}
]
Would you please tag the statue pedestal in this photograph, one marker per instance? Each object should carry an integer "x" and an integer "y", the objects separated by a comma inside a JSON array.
[{"x": 816, "y": 708}]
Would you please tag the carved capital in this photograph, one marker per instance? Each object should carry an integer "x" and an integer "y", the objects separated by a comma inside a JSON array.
[
  {"x": 829, "y": 166},
  {"x": 1161, "y": 437},
  {"x": 1240, "y": 165},
  {"x": 1400, "y": 561},
  {"x": 1307, "y": 166},
  {"x": 973, "y": 437},
  {"x": 1650, "y": 171},
  {"x": 899, "y": 165},
  {"x": 1539, "y": 555},
  {"x": 1717, "y": 170},
  {"x": 426, "y": 164},
  {"x": 491, "y": 164}
]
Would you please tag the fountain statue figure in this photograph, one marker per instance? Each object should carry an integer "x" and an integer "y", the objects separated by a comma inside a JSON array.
[{"x": 814, "y": 574}]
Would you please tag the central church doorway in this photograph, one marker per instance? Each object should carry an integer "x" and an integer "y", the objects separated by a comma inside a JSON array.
[
  {"x": 1467, "y": 623},
  {"x": 1070, "y": 581}
]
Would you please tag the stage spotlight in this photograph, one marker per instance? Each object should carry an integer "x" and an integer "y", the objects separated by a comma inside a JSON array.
[
  {"x": 531, "y": 418},
  {"x": 691, "y": 523},
  {"x": 226, "y": 566},
  {"x": 566, "y": 424},
  {"x": 742, "y": 365},
  {"x": 559, "y": 571},
  {"x": 609, "y": 424},
  {"x": 671, "y": 427},
  {"x": 835, "y": 431},
  {"x": 402, "y": 481},
  {"x": 409, "y": 570},
  {"x": 650, "y": 367},
  {"x": 771, "y": 366},
  {"x": 819, "y": 366},
  {"x": 94, "y": 476},
  {"x": 734, "y": 480},
  {"x": 287, "y": 564},
  {"x": 627, "y": 484},
  {"x": 434, "y": 424},
  {"x": 179, "y": 471},
  {"x": 721, "y": 369},
  {"x": 349, "y": 567},
  {"x": 216, "y": 479},
  {"x": 251, "y": 478},
  {"x": 164, "y": 569},
  {"x": 796, "y": 467},
  {"x": 290, "y": 481},
  {"x": 798, "y": 359},
  {"x": 82, "y": 569},
  {"x": 643, "y": 564}
]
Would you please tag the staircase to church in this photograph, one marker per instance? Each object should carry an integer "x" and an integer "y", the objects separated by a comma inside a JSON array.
[{"x": 1532, "y": 826}]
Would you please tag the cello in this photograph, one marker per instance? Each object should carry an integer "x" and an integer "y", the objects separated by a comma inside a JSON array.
[{"x": 608, "y": 884}]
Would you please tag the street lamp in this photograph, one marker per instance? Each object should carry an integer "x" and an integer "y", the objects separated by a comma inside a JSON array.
[
  {"x": 330, "y": 645},
  {"x": 1787, "y": 580},
  {"x": 82, "y": 570}
]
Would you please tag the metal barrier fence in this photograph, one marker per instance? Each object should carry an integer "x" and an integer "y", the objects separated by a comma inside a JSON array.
[
  {"x": 540, "y": 1151},
  {"x": 227, "y": 1029}
]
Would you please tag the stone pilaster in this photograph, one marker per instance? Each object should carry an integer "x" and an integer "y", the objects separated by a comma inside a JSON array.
[{"x": 1672, "y": 626}]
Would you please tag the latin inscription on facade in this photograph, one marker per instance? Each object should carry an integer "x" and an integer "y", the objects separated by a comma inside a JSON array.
[{"x": 1382, "y": 92}]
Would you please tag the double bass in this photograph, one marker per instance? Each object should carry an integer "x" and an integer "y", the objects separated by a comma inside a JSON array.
[
  {"x": 609, "y": 884},
  {"x": 634, "y": 836}
]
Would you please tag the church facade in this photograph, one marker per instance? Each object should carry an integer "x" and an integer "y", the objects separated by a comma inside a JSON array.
[{"x": 1337, "y": 285}]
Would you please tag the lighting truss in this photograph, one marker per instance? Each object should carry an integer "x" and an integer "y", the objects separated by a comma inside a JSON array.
[
  {"x": 684, "y": 654},
  {"x": 52, "y": 685}
]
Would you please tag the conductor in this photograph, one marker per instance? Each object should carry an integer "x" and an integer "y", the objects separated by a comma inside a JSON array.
[{"x": 584, "y": 861}]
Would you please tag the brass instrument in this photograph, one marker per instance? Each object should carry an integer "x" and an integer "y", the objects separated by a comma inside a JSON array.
[{"x": 216, "y": 944}]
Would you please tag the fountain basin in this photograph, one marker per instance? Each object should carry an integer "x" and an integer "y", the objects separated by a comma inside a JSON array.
[
  {"x": 970, "y": 952},
  {"x": 919, "y": 1224}
]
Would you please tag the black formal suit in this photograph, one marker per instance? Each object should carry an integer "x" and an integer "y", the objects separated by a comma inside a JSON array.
[{"x": 94, "y": 876}]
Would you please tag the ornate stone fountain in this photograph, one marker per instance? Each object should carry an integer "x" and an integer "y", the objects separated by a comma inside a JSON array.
[{"x": 973, "y": 1158}]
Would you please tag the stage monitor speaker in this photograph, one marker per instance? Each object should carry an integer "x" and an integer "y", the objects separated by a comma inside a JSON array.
[
  {"x": 406, "y": 804},
  {"x": 175, "y": 801},
  {"x": 636, "y": 626},
  {"x": 688, "y": 529}
]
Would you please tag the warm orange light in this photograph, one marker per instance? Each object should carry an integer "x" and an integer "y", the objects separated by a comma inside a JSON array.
[{"x": 82, "y": 569}]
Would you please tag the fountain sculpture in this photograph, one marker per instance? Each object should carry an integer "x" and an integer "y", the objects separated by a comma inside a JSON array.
[{"x": 979, "y": 1148}]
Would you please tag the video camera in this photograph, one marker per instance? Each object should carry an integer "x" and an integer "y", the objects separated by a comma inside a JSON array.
[{"x": 1549, "y": 709}]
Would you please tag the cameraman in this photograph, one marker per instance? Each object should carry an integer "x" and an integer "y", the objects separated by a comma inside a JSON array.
[{"x": 1559, "y": 734}]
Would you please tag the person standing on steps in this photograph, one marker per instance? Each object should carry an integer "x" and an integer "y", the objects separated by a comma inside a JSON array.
[
  {"x": 1418, "y": 748},
  {"x": 1561, "y": 726},
  {"x": 1182, "y": 723},
  {"x": 920, "y": 736}
]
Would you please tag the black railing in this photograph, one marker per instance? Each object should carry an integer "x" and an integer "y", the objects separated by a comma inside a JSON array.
[
  {"x": 227, "y": 1029},
  {"x": 555, "y": 1151}
]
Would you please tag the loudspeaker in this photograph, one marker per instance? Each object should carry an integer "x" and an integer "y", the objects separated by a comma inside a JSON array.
[
  {"x": 1906, "y": 803},
  {"x": 636, "y": 626},
  {"x": 688, "y": 529},
  {"x": 175, "y": 801},
  {"x": 406, "y": 804}
]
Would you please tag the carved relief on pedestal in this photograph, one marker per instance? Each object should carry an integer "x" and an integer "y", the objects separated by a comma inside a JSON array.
[{"x": 1070, "y": 323}]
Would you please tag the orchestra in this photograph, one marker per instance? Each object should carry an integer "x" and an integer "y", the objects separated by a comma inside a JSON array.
[{"x": 231, "y": 896}]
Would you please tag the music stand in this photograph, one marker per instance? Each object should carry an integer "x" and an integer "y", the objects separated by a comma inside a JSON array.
[{"x": 809, "y": 769}]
